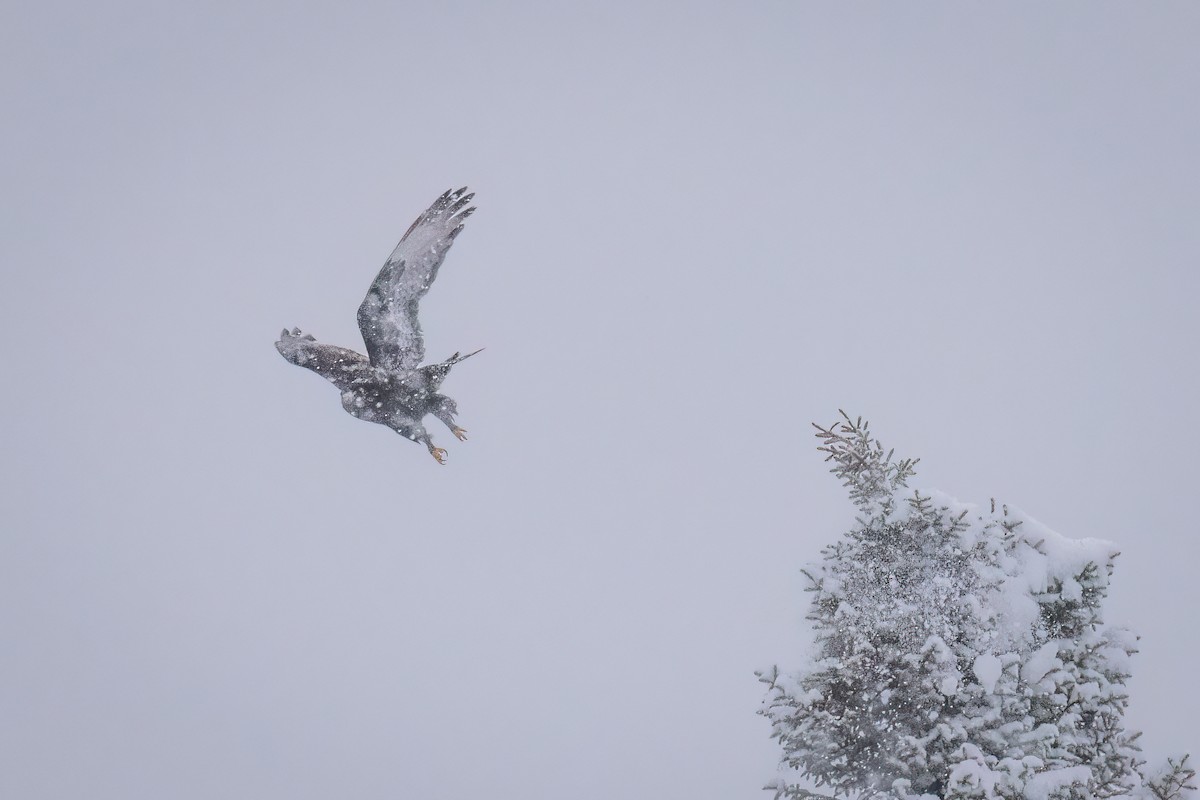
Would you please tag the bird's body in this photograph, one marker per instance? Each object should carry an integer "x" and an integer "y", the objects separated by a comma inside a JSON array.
[{"x": 388, "y": 386}]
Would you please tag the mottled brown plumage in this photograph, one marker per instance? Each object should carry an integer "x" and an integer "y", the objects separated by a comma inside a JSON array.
[{"x": 388, "y": 385}]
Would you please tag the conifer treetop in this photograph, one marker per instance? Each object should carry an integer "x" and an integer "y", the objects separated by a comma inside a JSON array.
[
  {"x": 959, "y": 653},
  {"x": 862, "y": 465}
]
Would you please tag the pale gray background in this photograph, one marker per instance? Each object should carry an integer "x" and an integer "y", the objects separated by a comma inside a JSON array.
[{"x": 700, "y": 226}]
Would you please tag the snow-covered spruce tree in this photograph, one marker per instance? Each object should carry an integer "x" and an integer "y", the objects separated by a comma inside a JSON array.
[{"x": 959, "y": 654}]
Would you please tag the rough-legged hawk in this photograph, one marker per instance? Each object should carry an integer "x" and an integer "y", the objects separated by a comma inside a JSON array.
[{"x": 389, "y": 385}]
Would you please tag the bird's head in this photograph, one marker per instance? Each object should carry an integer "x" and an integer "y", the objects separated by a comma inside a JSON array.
[{"x": 434, "y": 374}]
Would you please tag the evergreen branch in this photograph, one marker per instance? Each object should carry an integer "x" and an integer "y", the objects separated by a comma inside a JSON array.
[
  {"x": 786, "y": 792},
  {"x": 770, "y": 677},
  {"x": 861, "y": 463},
  {"x": 1173, "y": 781}
]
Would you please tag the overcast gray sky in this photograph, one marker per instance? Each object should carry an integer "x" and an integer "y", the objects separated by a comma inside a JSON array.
[{"x": 701, "y": 226}]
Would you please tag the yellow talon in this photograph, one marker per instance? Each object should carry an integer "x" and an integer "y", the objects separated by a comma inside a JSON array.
[
  {"x": 439, "y": 454},
  {"x": 461, "y": 433}
]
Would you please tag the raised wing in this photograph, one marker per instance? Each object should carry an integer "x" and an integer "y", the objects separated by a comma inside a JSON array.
[
  {"x": 339, "y": 366},
  {"x": 388, "y": 314}
]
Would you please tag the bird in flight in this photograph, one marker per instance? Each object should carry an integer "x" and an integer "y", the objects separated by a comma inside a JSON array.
[{"x": 388, "y": 385}]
